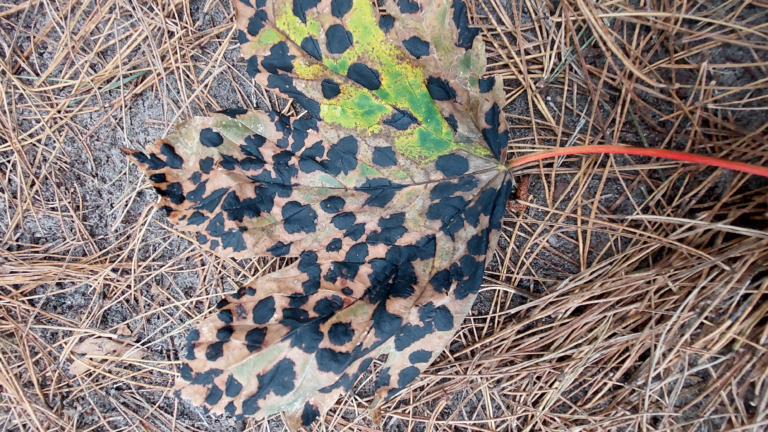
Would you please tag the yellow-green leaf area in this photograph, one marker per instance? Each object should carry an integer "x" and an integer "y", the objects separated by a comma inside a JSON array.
[
  {"x": 402, "y": 85},
  {"x": 309, "y": 70},
  {"x": 266, "y": 37},
  {"x": 398, "y": 174},
  {"x": 355, "y": 108},
  {"x": 291, "y": 25},
  {"x": 421, "y": 145},
  {"x": 367, "y": 171}
]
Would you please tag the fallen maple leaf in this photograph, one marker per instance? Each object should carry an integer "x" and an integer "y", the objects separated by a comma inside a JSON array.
[
  {"x": 389, "y": 196},
  {"x": 96, "y": 348}
]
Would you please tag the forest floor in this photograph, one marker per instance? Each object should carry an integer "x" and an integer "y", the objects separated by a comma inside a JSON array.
[{"x": 624, "y": 294}]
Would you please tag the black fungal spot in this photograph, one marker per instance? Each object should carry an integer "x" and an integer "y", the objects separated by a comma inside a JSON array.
[
  {"x": 297, "y": 300},
  {"x": 365, "y": 76},
  {"x": 426, "y": 247},
  {"x": 284, "y": 83},
  {"x": 383, "y": 379},
  {"x": 380, "y": 191},
  {"x": 386, "y": 23},
  {"x": 298, "y": 218},
  {"x": 225, "y": 333},
  {"x": 441, "y": 316},
  {"x": 334, "y": 245},
  {"x": 306, "y": 335},
  {"x": 279, "y": 58},
  {"x": 474, "y": 270},
  {"x": 308, "y": 265},
  {"x": 206, "y": 165},
  {"x": 233, "y": 387},
  {"x": 348, "y": 268},
  {"x": 210, "y": 202},
  {"x": 230, "y": 409},
  {"x": 355, "y": 231},
  {"x": 432, "y": 318},
  {"x": 332, "y": 204},
  {"x": 466, "y": 35},
  {"x": 278, "y": 380},
  {"x": 452, "y": 122},
  {"x": 300, "y": 8},
  {"x": 202, "y": 378},
  {"x": 391, "y": 230},
  {"x": 408, "y": 6},
  {"x": 407, "y": 375},
  {"x": 342, "y": 156},
  {"x": 264, "y": 310},
  {"x": 328, "y": 306},
  {"x": 329, "y": 360},
  {"x": 173, "y": 191},
  {"x": 420, "y": 356},
  {"x": 347, "y": 291},
  {"x": 225, "y": 316},
  {"x": 441, "y": 281},
  {"x": 256, "y": 22},
  {"x": 486, "y": 84},
  {"x": 254, "y": 338},
  {"x": 196, "y": 177},
  {"x": 448, "y": 188},
  {"x": 338, "y": 39},
  {"x": 279, "y": 249},
  {"x": 309, "y": 414},
  {"x": 496, "y": 141},
  {"x": 340, "y": 333},
  {"x": 157, "y": 178},
  {"x": 313, "y": 153},
  {"x": 312, "y": 47},
  {"x": 237, "y": 209},
  {"x": 478, "y": 244},
  {"x": 344, "y": 220},
  {"x": 416, "y": 47},
  {"x": 449, "y": 212},
  {"x": 214, "y": 395},
  {"x": 452, "y": 165},
  {"x": 214, "y": 351},
  {"x": 401, "y": 119},
  {"x": 339, "y": 8},
  {"x": 252, "y": 66},
  {"x": 440, "y": 90},
  {"x": 172, "y": 159},
  {"x": 384, "y": 157},
  {"x": 233, "y": 112},
  {"x": 210, "y": 138},
  {"x": 330, "y": 88},
  {"x": 252, "y": 145},
  {"x": 384, "y": 323},
  {"x": 242, "y": 37}
]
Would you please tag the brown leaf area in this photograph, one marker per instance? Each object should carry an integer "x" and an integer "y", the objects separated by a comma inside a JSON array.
[
  {"x": 646, "y": 279},
  {"x": 97, "y": 348}
]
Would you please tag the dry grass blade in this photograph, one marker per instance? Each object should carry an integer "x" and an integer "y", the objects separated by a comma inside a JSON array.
[{"x": 626, "y": 293}]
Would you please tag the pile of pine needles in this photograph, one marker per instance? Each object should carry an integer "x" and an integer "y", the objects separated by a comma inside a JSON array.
[{"x": 625, "y": 294}]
